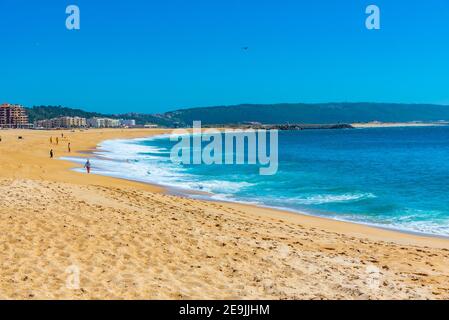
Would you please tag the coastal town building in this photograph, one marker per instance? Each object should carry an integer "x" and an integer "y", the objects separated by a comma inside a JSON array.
[
  {"x": 61, "y": 122},
  {"x": 13, "y": 116},
  {"x": 103, "y": 123},
  {"x": 127, "y": 122},
  {"x": 72, "y": 122},
  {"x": 47, "y": 124},
  {"x": 78, "y": 122},
  {"x": 112, "y": 123}
]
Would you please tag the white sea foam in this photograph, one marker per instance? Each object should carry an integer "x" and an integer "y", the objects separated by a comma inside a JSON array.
[
  {"x": 408, "y": 220},
  {"x": 131, "y": 159},
  {"x": 330, "y": 198},
  {"x": 127, "y": 149}
]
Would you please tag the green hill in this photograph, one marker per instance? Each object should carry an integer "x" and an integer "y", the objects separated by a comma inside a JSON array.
[
  {"x": 312, "y": 113},
  {"x": 325, "y": 113},
  {"x": 49, "y": 112}
]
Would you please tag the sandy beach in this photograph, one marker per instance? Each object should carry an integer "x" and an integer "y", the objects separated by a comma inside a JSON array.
[{"x": 130, "y": 240}]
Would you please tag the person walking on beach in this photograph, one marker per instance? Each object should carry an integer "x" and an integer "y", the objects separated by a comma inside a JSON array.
[
  {"x": 68, "y": 147},
  {"x": 51, "y": 140},
  {"x": 57, "y": 140},
  {"x": 51, "y": 153},
  {"x": 87, "y": 166}
]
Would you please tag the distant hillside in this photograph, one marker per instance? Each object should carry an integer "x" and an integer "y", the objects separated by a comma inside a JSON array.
[
  {"x": 49, "y": 112},
  {"x": 326, "y": 113},
  {"x": 142, "y": 118},
  {"x": 312, "y": 113}
]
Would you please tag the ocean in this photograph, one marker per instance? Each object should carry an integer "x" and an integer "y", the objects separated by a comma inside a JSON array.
[{"x": 394, "y": 178}]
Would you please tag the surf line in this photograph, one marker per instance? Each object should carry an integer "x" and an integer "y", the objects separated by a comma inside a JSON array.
[{"x": 261, "y": 147}]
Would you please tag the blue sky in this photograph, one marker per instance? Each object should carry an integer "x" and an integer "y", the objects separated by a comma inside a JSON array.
[{"x": 155, "y": 56}]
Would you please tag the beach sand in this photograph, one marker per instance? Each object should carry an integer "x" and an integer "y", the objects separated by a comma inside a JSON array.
[{"x": 131, "y": 240}]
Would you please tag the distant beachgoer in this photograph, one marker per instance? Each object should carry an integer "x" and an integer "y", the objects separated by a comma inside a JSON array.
[
  {"x": 51, "y": 140},
  {"x": 87, "y": 166},
  {"x": 57, "y": 140},
  {"x": 68, "y": 147},
  {"x": 51, "y": 153}
]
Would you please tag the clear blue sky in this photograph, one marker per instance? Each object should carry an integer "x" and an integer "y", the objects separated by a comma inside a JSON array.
[{"x": 154, "y": 56}]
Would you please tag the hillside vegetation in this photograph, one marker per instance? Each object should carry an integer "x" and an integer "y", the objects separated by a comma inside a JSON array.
[{"x": 269, "y": 114}]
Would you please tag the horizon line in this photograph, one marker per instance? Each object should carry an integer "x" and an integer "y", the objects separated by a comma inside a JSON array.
[{"x": 232, "y": 105}]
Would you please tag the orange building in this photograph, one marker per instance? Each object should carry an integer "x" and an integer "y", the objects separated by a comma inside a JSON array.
[{"x": 13, "y": 116}]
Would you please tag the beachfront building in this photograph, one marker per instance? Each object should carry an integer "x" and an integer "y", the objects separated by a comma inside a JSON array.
[
  {"x": 46, "y": 124},
  {"x": 42, "y": 124},
  {"x": 61, "y": 122},
  {"x": 13, "y": 116},
  {"x": 71, "y": 122},
  {"x": 112, "y": 123},
  {"x": 103, "y": 123},
  {"x": 127, "y": 123},
  {"x": 96, "y": 122}
]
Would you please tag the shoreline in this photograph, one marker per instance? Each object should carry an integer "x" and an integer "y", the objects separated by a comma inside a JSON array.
[
  {"x": 133, "y": 240},
  {"x": 181, "y": 192}
]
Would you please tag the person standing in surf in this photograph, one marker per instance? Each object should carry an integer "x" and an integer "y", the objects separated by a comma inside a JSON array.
[{"x": 87, "y": 166}]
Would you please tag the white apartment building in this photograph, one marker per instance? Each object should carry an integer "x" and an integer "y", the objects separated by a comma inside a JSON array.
[
  {"x": 61, "y": 122},
  {"x": 128, "y": 123},
  {"x": 103, "y": 123}
]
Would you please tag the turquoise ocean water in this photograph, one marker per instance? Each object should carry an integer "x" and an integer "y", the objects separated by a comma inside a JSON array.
[{"x": 390, "y": 177}]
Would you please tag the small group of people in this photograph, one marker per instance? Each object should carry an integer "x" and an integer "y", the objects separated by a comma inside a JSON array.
[
  {"x": 69, "y": 149},
  {"x": 57, "y": 142},
  {"x": 87, "y": 165}
]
